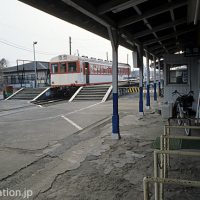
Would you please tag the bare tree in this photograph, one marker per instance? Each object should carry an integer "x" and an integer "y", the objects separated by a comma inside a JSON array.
[{"x": 3, "y": 64}]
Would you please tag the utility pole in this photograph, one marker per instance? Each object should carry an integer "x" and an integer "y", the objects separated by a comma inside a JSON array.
[
  {"x": 107, "y": 56},
  {"x": 34, "y": 43},
  {"x": 77, "y": 52},
  {"x": 70, "y": 45}
]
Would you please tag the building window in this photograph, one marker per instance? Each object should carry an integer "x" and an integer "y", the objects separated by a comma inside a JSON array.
[
  {"x": 63, "y": 68},
  {"x": 13, "y": 80},
  {"x": 178, "y": 74},
  {"x": 32, "y": 77},
  {"x": 5, "y": 79},
  {"x": 54, "y": 68},
  {"x": 72, "y": 67}
]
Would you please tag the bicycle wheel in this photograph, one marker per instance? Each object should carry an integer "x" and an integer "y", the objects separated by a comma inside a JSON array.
[{"x": 187, "y": 130}]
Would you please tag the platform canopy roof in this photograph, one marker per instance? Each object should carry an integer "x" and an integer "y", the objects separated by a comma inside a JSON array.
[{"x": 161, "y": 26}]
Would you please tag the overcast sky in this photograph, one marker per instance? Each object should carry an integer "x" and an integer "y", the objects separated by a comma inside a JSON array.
[{"x": 22, "y": 24}]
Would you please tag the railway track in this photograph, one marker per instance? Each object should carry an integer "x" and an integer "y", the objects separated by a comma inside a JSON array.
[{"x": 49, "y": 102}]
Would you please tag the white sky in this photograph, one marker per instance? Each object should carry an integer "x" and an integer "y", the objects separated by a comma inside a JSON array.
[{"x": 21, "y": 25}]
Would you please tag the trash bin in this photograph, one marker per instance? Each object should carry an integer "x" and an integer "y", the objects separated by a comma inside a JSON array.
[{"x": 166, "y": 110}]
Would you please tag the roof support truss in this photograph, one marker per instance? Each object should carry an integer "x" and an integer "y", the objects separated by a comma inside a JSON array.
[
  {"x": 151, "y": 13},
  {"x": 88, "y": 10},
  {"x": 168, "y": 37},
  {"x": 160, "y": 28},
  {"x": 117, "y": 5}
]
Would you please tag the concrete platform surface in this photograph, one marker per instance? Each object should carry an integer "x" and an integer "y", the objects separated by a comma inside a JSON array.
[
  {"x": 13, "y": 104},
  {"x": 73, "y": 155}
]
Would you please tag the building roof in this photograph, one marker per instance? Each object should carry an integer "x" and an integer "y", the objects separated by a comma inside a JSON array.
[
  {"x": 27, "y": 67},
  {"x": 161, "y": 26}
]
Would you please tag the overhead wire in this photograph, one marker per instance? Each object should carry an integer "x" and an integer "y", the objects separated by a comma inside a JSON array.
[{"x": 8, "y": 43}]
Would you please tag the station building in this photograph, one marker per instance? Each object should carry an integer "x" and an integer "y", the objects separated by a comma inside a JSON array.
[{"x": 23, "y": 75}]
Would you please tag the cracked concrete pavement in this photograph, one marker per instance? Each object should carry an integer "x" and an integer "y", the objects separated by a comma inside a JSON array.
[
  {"x": 80, "y": 164},
  {"x": 28, "y": 143}
]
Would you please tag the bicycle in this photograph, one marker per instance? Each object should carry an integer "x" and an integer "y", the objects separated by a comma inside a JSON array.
[{"x": 183, "y": 108}]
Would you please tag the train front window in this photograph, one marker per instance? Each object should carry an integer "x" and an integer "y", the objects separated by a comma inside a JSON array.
[
  {"x": 63, "y": 68},
  {"x": 54, "y": 68},
  {"x": 71, "y": 66}
]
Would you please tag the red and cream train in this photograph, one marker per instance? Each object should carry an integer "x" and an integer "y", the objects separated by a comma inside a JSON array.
[{"x": 67, "y": 70}]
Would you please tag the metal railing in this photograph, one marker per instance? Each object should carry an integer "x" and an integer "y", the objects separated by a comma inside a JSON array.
[
  {"x": 168, "y": 181},
  {"x": 160, "y": 176},
  {"x": 159, "y": 193}
]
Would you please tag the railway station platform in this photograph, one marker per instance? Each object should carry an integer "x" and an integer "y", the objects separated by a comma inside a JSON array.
[
  {"x": 6, "y": 106},
  {"x": 65, "y": 151}
]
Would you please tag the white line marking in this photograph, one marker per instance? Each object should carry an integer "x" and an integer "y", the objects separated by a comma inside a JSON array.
[
  {"x": 71, "y": 122},
  {"x": 83, "y": 108},
  {"x": 40, "y": 106},
  {"x": 53, "y": 117}
]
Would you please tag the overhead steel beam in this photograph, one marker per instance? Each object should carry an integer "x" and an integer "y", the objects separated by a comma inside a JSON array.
[
  {"x": 168, "y": 37},
  {"x": 158, "y": 51},
  {"x": 171, "y": 51},
  {"x": 147, "y": 24},
  {"x": 127, "y": 36},
  {"x": 170, "y": 43},
  {"x": 196, "y": 16},
  {"x": 117, "y": 5},
  {"x": 160, "y": 55},
  {"x": 168, "y": 48},
  {"x": 174, "y": 50},
  {"x": 173, "y": 19},
  {"x": 89, "y": 10},
  {"x": 159, "y": 28},
  {"x": 158, "y": 48},
  {"x": 193, "y": 11},
  {"x": 151, "y": 13}
]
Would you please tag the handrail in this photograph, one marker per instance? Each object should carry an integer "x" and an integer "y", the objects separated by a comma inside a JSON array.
[
  {"x": 39, "y": 95},
  {"x": 14, "y": 94},
  {"x": 75, "y": 94},
  {"x": 107, "y": 94},
  {"x": 168, "y": 181}
]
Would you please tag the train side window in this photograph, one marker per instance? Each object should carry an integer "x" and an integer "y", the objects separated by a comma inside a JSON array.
[
  {"x": 72, "y": 67},
  {"x": 54, "y": 68},
  {"x": 63, "y": 68},
  {"x": 94, "y": 69},
  {"x": 91, "y": 69},
  {"x": 98, "y": 69}
]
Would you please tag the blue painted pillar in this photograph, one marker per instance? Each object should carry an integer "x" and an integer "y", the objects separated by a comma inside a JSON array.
[
  {"x": 140, "y": 65},
  {"x": 154, "y": 85},
  {"x": 159, "y": 79},
  {"x": 148, "y": 82},
  {"x": 115, "y": 117},
  {"x": 113, "y": 34}
]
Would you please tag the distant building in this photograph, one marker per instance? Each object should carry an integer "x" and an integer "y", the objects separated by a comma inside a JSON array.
[
  {"x": 135, "y": 74},
  {"x": 24, "y": 75}
]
